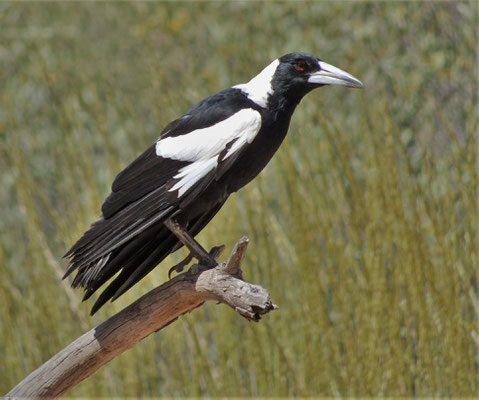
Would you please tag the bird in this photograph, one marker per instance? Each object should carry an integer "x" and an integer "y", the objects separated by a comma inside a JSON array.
[{"x": 184, "y": 178}]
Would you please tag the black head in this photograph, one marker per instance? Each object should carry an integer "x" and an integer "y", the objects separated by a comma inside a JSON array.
[{"x": 299, "y": 73}]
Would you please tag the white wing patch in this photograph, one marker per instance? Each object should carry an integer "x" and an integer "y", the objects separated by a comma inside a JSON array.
[
  {"x": 208, "y": 142},
  {"x": 203, "y": 146},
  {"x": 259, "y": 88},
  {"x": 191, "y": 174}
]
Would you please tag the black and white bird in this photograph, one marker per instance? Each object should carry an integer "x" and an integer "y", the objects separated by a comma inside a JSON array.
[{"x": 213, "y": 150}]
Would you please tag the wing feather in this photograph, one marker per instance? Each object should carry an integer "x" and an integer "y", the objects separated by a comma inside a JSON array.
[{"x": 211, "y": 152}]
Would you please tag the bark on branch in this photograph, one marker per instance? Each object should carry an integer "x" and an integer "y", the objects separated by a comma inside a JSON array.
[{"x": 152, "y": 312}]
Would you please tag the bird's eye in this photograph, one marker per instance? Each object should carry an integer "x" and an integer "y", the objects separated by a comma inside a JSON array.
[{"x": 301, "y": 66}]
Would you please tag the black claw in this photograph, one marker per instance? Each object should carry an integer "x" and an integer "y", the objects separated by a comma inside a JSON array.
[
  {"x": 178, "y": 268},
  {"x": 216, "y": 251}
]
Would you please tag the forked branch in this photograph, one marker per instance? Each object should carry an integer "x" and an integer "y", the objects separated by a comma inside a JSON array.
[{"x": 152, "y": 312}]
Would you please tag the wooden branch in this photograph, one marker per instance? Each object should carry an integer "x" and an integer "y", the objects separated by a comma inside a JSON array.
[{"x": 152, "y": 312}]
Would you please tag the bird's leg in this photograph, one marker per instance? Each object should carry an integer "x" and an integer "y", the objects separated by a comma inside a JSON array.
[
  {"x": 215, "y": 252},
  {"x": 191, "y": 244}
]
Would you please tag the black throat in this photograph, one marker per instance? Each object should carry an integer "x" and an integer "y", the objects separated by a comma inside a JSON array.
[{"x": 284, "y": 100}]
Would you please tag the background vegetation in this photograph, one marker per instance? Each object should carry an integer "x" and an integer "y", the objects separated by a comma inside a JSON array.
[{"x": 364, "y": 226}]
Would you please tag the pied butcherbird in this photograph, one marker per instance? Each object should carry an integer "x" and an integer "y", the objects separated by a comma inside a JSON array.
[{"x": 185, "y": 177}]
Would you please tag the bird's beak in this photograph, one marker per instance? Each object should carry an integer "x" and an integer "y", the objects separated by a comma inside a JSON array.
[{"x": 329, "y": 75}]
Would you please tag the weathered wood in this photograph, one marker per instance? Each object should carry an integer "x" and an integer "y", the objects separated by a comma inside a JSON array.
[{"x": 152, "y": 312}]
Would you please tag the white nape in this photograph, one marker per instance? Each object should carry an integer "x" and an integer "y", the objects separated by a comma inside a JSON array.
[{"x": 259, "y": 88}]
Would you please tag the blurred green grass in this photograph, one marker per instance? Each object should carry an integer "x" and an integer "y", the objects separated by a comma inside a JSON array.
[{"x": 363, "y": 227}]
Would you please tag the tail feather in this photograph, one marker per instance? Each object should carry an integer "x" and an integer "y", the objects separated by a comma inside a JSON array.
[
  {"x": 119, "y": 258},
  {"x": 137, "y": 267},
  {"x": 115, "y": 241},
  {"x": 129, "y": 253},
  {"x": 107, "y": 234},
  {"x": 154, "y": 257}
]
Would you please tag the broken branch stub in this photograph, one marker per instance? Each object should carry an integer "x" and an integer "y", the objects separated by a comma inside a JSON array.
[{"x": 225, "y": 283}]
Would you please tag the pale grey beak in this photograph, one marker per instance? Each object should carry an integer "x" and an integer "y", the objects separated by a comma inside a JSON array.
[{"x": 330, "y": 75}]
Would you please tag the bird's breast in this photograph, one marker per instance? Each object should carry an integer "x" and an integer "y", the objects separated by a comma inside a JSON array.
[{"x": 256, "y": 156}]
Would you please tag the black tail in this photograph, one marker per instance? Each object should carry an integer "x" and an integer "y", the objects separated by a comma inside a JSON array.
[
  {"x": 135, "y": 259},
  {"x": 101, "y": 253}
]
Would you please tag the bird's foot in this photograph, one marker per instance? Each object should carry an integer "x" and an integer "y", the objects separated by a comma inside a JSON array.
[
  {"x": 178, "y": 268},
  {"x": 215, "y": 252}
]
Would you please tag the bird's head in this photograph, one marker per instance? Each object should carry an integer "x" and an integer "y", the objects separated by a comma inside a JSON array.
[
  {"x": 306, "y": 69},
  {"x": 301, "y": 73},
  {"x": 292, "y": 76}
]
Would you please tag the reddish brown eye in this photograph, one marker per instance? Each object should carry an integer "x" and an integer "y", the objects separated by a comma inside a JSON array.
[{"x": 301, "y": 66}]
